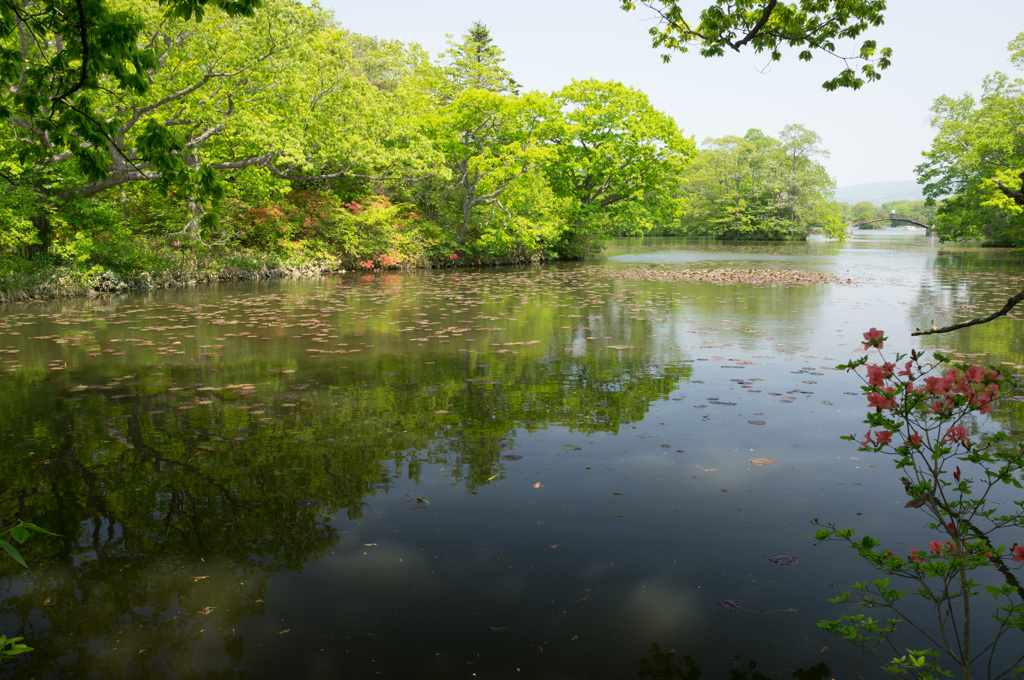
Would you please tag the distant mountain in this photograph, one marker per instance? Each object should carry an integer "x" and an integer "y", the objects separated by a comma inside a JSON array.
[{"x": 880, "y": 192}]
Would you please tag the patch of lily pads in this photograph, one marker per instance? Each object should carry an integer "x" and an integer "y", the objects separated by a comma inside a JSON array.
[{"x": 731, "y": 276}]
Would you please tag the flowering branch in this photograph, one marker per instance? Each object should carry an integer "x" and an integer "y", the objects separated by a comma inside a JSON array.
[{"x": 923, "y": 415}]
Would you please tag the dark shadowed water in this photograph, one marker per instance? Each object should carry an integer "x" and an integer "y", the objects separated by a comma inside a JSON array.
[{"x": 558, "y": 472}]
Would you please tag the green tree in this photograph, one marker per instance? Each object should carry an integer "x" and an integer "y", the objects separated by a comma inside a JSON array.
[
  {"x": 59, "y": 56},
  {"x": 475, "y": 63},
  {"x": 488, "y": 140},
  {"x": 977, "y": 160},
  {"x": 770, "y": 27},
  {"x": 807, "y": 187},
  {"x": 291, "y": 99},
  {"x": 760, "y": 187},
  {"x": 615, "y": 157},
  {"x": 487, "y": 133},
  {"x": 865, "y": 210}
]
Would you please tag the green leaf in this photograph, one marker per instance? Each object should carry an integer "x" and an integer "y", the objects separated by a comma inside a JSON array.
[
  {"x": 19, "y": 533},
  {"x": 38, "y": 529},
  {"x": 13, "y": 552}
]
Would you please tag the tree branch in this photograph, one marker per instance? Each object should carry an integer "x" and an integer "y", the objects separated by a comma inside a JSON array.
[
  {"x": 757, "y": 27},
  {"x": 83, "y": 30},
  {"x": 1016, "y": 194},
  {"x": 1010, "y": 304}
]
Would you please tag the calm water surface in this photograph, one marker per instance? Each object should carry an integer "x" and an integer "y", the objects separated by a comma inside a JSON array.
[{"x": 530, "y": 473}]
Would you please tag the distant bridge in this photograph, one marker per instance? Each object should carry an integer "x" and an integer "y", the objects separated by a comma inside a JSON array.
[{"x": 891, "y": 218}]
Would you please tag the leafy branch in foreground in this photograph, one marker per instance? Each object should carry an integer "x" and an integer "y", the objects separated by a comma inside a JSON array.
[
  {"x": 808, "y": 25},
  {"x": 921, "y": 415},
  {"x": 20, "y": 533}
]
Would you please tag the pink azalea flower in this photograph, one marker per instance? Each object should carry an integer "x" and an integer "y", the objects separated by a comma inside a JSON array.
[
  {"x": 880, "y": 401},
  {"x": 873, "y": 338},
  {"x": 976, "y": 373},
  {"x": 915, "y": 439},
  {"x": 914, "y": 556},
  {"x": 935, "y": 385},
  {"x": 1018, "y": 553},
  {"x": 883, "y": 437},
  {"x": 935, "y": 547},
  {"x": 957, "y": 433},
  {"x": 876, "y": 376}
]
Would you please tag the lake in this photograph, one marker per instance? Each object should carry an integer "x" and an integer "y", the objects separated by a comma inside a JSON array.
[{"x": 545, "y": 472}]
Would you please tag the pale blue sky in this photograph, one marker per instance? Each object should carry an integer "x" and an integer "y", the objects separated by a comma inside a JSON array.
[{"x": 875, "y": 134}]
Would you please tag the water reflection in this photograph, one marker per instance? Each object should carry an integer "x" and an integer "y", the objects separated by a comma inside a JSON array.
[{"x": 526, "y": 472}]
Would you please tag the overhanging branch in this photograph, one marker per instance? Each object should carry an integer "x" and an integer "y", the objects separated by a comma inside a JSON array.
[{"x": 1010, "y": 304}]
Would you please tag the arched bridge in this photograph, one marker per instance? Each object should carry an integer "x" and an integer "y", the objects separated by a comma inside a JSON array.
[{"x": 891, "y": 218}]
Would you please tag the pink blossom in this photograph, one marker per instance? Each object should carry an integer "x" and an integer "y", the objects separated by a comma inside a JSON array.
[
  {"x": 880, "y": 401},
  {"x": 957, "y": 433},
  {"x": 914, "y": 556},
  {"x": 935, "y": 385},
  {"x": 883, "y": 436},
  {"x": 935, "y": 547},
  {"x": 915, "y": 439},
  {"x": 976, "y": 373},
  {"x": 956, "y": 473},
  {"x": 1018, "y": 553},
  {"x": 873, "y": 338}
]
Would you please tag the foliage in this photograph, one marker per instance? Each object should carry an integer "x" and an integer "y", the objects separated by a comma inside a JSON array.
[
  {"x": 291, "y": 98},
  {"x": 922, "y": 412},
  {"x": 20, "y": 533},
  {"x": 488, "y": 140},
  {"x": 615, "y": 158},
  {"x": 759, "y": 187},
  {"x": 528, "y": 229},
  {"x": 61, "y": 55},
  {"x": 11, "y": 647},
  {"x": 808, "y": 25},
  {"x": 977, "y": 160},
  {"x": 16, "y": 230},
  {"x": 258, "y": 144},
  {"x": 475, "y": 64}
]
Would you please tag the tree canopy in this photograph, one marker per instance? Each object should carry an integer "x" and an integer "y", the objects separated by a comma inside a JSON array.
[
  {"x": 769, "y": 26},
  {"x": 757, "y": 186},
  {"x": 262, "y": 132},
  {"x": 58, "y": 55},
  {"x": 977, "y": 160}
]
